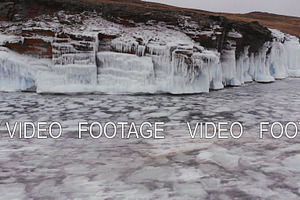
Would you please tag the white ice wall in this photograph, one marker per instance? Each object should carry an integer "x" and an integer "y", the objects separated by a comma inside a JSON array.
[
  {"x": 17, "y": 72},
  {"x": 275, "y": 60},
  {"x": 121, "y": 72},
  {"x": 67, "y": 79},
  {"x": 181, "y": 72},
  {"x": 174, "y": 67}
]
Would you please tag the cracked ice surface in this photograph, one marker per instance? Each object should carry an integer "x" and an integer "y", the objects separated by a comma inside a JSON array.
[{"x": 175, "y": 168}]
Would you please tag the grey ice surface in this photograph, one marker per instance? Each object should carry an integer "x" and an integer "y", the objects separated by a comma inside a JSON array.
[{"x": 176, "y": 167}]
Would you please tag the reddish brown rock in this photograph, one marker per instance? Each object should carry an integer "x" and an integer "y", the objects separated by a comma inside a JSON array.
[
  {"x": 34, "y": 47},
  {"x": 80, "y": 37},
  {"x": 62, "y": 35},
  {"x": 83, "y": 46},
  {"x": 39, "y": 32},
  {"x": 102, "y": 36}
]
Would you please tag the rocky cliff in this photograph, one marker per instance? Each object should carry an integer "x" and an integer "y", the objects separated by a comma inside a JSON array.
[
  {"x": 133, "y": 13},
  {"x": 133, "y": 46}
]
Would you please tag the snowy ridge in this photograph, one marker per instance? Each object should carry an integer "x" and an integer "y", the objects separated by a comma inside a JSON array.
[{"x": 101, "y": 56}]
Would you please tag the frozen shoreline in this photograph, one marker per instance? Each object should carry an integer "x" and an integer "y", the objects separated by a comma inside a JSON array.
[{"x": 142, "y": 59}]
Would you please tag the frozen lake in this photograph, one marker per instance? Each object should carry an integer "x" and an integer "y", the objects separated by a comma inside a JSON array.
[{"x": 176, "y": 167}]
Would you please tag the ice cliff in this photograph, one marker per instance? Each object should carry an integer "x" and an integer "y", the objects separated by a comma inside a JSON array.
[{"x": 63, "y": 51}]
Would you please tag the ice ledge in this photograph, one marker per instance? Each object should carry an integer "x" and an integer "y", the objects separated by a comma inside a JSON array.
[{"x": 173, "y": 68}]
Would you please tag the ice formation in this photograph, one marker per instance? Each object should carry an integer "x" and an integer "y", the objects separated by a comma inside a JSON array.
[
  {"x": 121, "y": 72},
  {"x": 144, "y": 59},
  {"x": 67, "y": 79},
  {"x": 19, "y": 72}
]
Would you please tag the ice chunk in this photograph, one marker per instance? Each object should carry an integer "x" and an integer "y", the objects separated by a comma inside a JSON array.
[
  {"x": 119, "y": 72},
  {"x": 229, "y": 68},
  {"x": 260, "y": 70},
  {"x": 67, "y": 79},
  {"x": 278, "y": 61},
  {"x": 19, "y": 72}
]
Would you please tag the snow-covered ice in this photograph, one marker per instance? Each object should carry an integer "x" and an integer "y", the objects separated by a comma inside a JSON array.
[{"x": 176, "y": 167}]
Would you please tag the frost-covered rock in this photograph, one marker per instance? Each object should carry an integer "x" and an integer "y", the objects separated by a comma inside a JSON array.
[{"x": 83, "y": 52}]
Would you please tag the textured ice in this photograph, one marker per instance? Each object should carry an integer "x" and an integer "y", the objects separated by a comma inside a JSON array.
[
  {"x": 229, "y": 68},
  {"x": 221, "y": 157},
  {"x": 292, "y": 162},
  {"x": 129, "y": 73},
  {"x": 147, "y": 59},
  {"x": 119, "y": 72},
  {"x": 67, "y": 79},
  {"x": 5, "y": 38},
  {"x": 176, "y": 167},
  {"x": 19, "y": 72}
]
